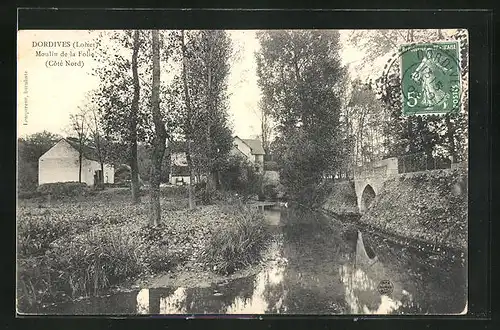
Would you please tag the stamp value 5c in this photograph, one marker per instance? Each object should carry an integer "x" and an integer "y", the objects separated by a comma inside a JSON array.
[{"x": 430, "y": 78}]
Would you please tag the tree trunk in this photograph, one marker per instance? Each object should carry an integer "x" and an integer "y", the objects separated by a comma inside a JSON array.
[
  {"x": 80, "y": 159},
  {"x": 98, "y": 146},
  {"x": 160, "y": 137},
  {"x": 189, "y": 125},
  {"x": 191, "y": 201},
  {"x": 211, "y": 116},
  {"x": 134, "y": 168}
]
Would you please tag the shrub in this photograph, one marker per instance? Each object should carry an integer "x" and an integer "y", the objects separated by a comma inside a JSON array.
[
  {"x": 240, "y": 176},
  {"x": 174, "y": 191},
  {"x": 270, "y": 192},
  {"x": 36, "y": 233},
  {"x": 28, "y": 194},
  {"x": 84, "y": 264},
  {"x": 206, "y": 195},
  {"x": 159, "y": 258},
  {"x": 64, "y": 189},
  {"x": 239, "y": 241}
]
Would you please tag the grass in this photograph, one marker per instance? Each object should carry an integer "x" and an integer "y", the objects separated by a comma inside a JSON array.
[
  {"x": 71, "y": 247},
  {"x": 239, "y": 241}
]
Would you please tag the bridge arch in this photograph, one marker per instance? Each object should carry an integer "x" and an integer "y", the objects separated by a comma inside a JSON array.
[
  {"x": 369, "y": 180},
  {"x": 367, "y": 198}
]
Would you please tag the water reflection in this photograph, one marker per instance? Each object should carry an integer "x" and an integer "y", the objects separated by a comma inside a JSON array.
[
  {"x": 270, "y": 277},
  {"x": 361, "y": 280},
  {"x": 175, "y": 303},
  {"x": 317, "y": 266},
  {"x": 143, "y": 301}
]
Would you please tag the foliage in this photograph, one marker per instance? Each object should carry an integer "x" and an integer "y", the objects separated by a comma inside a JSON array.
[
  {"x": 239, "y": 241},
  {"x": 431, "y": 206},
  {"x": 300, "y": 75},
  {"x": 207, "y": 69},
  {"x": 64, "y": 189},
  {"x": 84, "y": 264},
  {"x": 240, "y": 176},
  {"x": 270, "y": 192},
  {"x": 436, "y": 136},
  {"x": 206, "y": 194},
  {"x": 30, "y": 148},
  {"x": 36, "y": 233}
]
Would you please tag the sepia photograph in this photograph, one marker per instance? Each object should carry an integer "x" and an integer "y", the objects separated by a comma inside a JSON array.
[{"x": 185, "y": 172}]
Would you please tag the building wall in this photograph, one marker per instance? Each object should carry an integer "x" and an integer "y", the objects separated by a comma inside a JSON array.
[
  {"x": 59, "y": 164},
  {"x": 244, "y": 149},
  {"x": 91, "y": 166},
  {"x": 173, "y": 179}
]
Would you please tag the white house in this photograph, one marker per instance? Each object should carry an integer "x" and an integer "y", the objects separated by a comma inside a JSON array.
[
  {"x": 61, "y": 164},
  {"x": 250, "y": 148},
  {"x": 179, "y": 170}
]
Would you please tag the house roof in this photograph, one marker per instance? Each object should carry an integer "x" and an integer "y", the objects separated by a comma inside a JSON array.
[
  {"x": 255, "y": 145},
  {"x": 87, "y": 151}
]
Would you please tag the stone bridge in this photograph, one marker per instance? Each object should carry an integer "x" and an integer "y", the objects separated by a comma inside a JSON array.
[{"x": 369, "y": 179}]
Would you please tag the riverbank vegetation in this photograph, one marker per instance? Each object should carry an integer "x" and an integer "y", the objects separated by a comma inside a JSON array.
[{"x": 73, "y": 247}]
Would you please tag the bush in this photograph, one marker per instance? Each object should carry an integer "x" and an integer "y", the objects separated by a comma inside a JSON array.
[
  {"x": 84, "y": 265},
  {"x": 174, "y": 191},
  {"x": 36, "y": 233},
  {"x": 239, "y": 241},
  {"x": 241, "y": 177},
  {"x": 206, "y": 195},
  {"x": 64, "y": 189},
  {"x": 28, "y": 194},
  {"x": 270, "y": 192}
]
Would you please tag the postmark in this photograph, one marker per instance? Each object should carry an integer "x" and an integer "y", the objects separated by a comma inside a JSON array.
[
  {"x": 430, "y": 77},
  {"x": 430, "y": 80}
]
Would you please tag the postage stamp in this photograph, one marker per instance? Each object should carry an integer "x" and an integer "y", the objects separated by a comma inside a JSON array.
[{"x": 430, "y": 78}]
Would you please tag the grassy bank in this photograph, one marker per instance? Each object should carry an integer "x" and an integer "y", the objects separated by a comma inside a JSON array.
[
  {"x": 342, "y": 198},
  {"x": 79, "y": 247},
  {"x": 430, "y": 206}
]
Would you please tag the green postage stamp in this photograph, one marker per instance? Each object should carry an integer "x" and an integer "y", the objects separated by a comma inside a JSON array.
[{"x": 430, "y": 78}]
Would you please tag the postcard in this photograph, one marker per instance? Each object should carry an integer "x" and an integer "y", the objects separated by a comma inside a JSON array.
[{"x": 242, "y": 172}]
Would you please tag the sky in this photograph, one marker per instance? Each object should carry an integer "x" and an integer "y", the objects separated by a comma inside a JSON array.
[{"x": 49, "y": 90}]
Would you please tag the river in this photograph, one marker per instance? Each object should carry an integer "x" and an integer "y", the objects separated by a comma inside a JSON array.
[{"x": 318, "y": 266}]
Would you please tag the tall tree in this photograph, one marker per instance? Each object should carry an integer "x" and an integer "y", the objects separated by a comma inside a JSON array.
[
  {"x": 207, "y": 56},
  {"x": 159, "y": 140},
  {"x": 134, "y": 109},
  {"x": 299, "y": 72},
  {"x": 266, "y": 126},
  {"x": 189, "y": 122},
  {"x": 123, "y": 58}
]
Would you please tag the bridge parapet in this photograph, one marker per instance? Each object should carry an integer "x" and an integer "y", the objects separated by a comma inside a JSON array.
[{"x": 382, "y": 168}]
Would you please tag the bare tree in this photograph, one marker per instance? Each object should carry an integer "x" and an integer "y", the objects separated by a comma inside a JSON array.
[
  {"x": 78, "y": 126},
  {"x": 91, "y": 118}
]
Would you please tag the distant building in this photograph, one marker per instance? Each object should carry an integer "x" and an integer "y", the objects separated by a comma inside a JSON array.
[
  {"x": 251, "y": 149},
  {"x": 61, "y": 164},
  {"x": 179, "y": 169}
]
